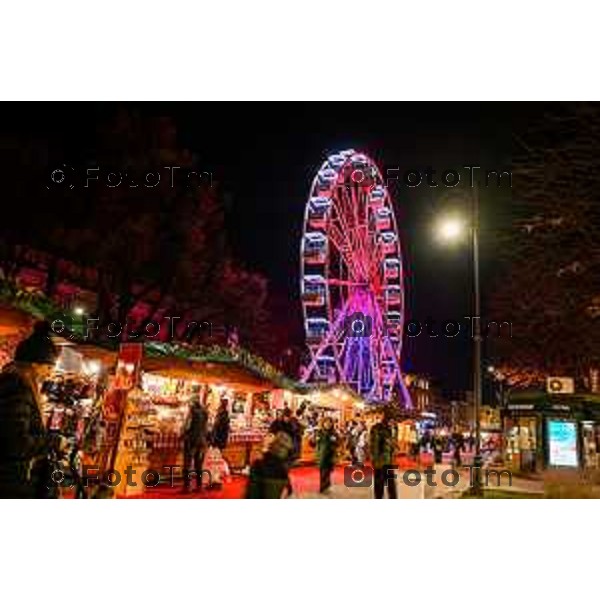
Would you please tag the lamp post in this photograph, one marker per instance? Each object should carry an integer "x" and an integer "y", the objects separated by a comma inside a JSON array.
[
  {"x": 449, "y": 229},
  {"x": 477, "y": 383}
]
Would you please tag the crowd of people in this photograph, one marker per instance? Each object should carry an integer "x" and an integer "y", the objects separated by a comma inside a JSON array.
[{"x": 355, "y": 443}]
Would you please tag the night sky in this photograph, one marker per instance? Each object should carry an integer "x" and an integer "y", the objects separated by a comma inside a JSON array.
[{"x": 265, "y": 156}]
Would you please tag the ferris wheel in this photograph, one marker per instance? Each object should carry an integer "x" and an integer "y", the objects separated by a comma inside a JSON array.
[{"x": 352, "y": 280}]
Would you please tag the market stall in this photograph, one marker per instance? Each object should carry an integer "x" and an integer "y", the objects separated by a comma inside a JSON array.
[
  {"x": 152, "y": 435},
  {"x": 336, "y": 402}
]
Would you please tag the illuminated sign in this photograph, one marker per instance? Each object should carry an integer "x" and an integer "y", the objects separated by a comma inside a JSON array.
[
  {"x": 562, "y": 442},
  {"x": 560, "y": 385}
]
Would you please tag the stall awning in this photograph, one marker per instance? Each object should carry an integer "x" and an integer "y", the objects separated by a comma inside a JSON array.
[
  {"x": 230, "y": 375},
  {"x": 14, "y": 321}
]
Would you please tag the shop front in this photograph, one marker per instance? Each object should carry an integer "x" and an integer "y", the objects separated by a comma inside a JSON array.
[{"x": 551, "y": 431}]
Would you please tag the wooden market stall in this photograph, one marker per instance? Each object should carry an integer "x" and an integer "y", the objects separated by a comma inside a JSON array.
[
  {"x": 335, "y": 401},
  {"x": 157, "y": 408}
]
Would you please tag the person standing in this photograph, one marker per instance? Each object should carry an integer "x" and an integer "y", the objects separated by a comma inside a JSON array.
[
  {"x": 218, "y": 442},
  {"x": 383, "y": 447},
  {"x": 362, "y": 443},
  {"x": 221, "y": 427},
  {"x": 25, "y": 466},
  {"x": 327, "y": 443},
  {"x": 194, "y": 443},
  {"x": 297, "y": 431}
]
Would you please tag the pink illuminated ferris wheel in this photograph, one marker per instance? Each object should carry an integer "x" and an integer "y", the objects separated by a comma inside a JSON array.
[{"x": 351, "y": 280}]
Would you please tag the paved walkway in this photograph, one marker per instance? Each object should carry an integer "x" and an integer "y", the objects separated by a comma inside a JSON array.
[
  {"x": 446, "y": 483},
  {"x": 309, "y": 489}
]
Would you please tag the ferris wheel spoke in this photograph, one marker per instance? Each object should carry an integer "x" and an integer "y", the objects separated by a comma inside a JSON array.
[
  {"x": 363, "y": 236},
  {"x": 376, "y": 347},
  {"x": 374, "y": 267},
  {"x": 356, "y": 229},
  {"x": 344, "y": 247},
  {"x": 343, "y": 282}
]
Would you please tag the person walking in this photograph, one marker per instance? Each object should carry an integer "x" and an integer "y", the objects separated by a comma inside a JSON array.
[
  {"x": 327, "y": 443},
  {"x": 437, "y": 445},
  {"x": 194, "y": 443},
  {"x": 383, "y": 446},
  {"x": 269, "y": 474},
  {"x": 25, "y": 465},
  {"x": 458, "y": 447},
  {"x": 283, "y": 422}
]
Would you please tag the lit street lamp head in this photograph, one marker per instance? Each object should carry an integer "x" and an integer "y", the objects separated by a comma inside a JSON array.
[{"x": 450, "y": 229}]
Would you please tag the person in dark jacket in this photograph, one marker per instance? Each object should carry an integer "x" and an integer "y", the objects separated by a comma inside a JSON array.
[
  {"x": 283, "y": 422},
  {"x": 382, "y": 442},
  {"x": 269, "y": 475},
  {"x": 327, "y": 443},
  {"x": 437, "y": 445},
  {"x": 458, "y": 444},
  {"x": 194, "y": 443},
  {"x": 24, "y": 444},
  {"x": 289, "y": 424},
  {"x": 220, "y": 433},
  {"x": 297, "y": 434}
]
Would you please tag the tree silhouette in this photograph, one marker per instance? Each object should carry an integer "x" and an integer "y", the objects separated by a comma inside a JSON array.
[
  {"x": 149, "y": 249},
  {"x": 550, "y": 284}
]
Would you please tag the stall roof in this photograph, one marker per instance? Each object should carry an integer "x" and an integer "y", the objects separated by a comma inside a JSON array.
[
  {"x": 335, "y": 391},
  {"x": 237, "y": 369},
  {"x": 231, "y": 375},
  {"x": 14, "y": 321}
]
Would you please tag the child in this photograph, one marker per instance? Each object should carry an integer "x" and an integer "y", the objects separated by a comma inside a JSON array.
[{"x": 217, "y": 466}]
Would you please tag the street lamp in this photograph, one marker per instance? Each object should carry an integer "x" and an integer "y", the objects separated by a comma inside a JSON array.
[{"x": 450, "y": 229}]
